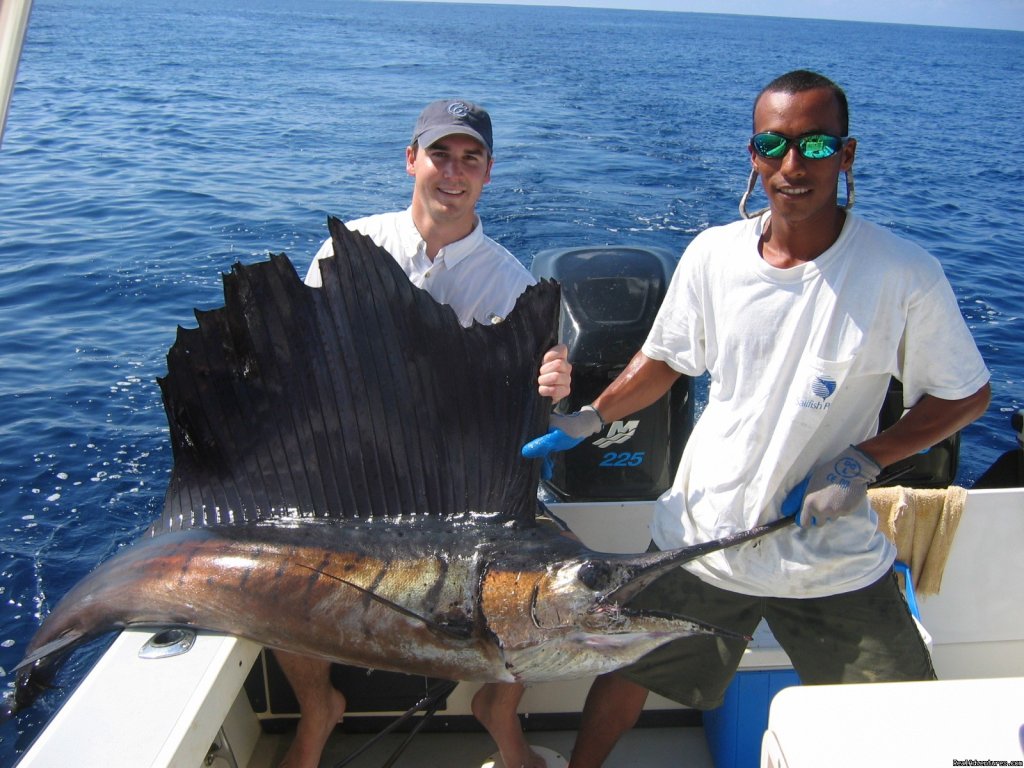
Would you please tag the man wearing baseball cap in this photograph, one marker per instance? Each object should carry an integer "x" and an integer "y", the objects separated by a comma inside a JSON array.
[
  {"x": 440, "y": 244},
  {"x": 447, "y": 117}
]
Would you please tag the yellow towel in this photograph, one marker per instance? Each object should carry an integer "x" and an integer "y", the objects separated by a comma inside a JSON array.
[{"x": 921, "y": 523}]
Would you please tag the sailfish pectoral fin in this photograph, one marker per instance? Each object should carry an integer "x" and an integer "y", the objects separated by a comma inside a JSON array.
[{"x": 437, "y": 627}]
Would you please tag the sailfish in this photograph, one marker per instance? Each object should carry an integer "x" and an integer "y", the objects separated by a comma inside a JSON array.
[{"x": 348, "y": 484}]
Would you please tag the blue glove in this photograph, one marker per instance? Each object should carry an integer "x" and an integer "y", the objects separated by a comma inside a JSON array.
[
  {"x": 567, "y": 431},
  {"x": 835, "y": 488},
  {"x": 795, "y": 499}
]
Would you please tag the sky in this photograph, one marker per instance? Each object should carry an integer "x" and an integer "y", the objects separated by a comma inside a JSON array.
[{"x": 986, "y": 14}]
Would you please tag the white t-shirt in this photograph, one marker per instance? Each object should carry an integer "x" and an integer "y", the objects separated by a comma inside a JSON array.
[
  {"x": 799, "y": 361},
  {"x": 475, "y": 276}
]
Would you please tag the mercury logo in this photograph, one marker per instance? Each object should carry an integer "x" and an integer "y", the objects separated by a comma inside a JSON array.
[
  {"x": 618, "y": 432},
  {"x": 458, "y": 109}
]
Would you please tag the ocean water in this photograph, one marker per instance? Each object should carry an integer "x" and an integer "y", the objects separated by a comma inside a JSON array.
[{"x": 151, "y": 145}]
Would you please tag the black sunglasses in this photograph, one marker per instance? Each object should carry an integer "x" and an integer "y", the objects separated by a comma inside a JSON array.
[{"x": 813, "y": 146}]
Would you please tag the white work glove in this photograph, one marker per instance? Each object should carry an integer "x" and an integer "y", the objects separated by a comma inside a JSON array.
[
  {"x": 581, "y": 424},
  {"x": 837, "y": 487},
  {"x": 566, "y": 431}
]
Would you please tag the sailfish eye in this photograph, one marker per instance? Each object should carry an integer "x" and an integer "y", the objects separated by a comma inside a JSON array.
[{"x": 594, "y": 575}]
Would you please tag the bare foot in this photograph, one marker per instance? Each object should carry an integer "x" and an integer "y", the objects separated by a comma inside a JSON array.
[
  {"x": 494, "y": 705},
  {"x": 312, "y": 733},
  {"x": 321, "y": 707}
]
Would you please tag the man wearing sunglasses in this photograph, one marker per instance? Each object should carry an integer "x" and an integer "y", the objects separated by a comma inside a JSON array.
[
  {"x": 440, "y": 244},
  {"x": 800, "y": 313}
]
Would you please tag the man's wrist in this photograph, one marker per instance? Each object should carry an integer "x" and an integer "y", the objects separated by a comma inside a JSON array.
[
  {"x": 597, "y": 413},
  {"x": 870, "y": 468}
]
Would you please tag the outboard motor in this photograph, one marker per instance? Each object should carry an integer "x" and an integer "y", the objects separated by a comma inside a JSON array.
[
  {"x": 610, "y": 296},
  {"x": 1008, "y": 470}
]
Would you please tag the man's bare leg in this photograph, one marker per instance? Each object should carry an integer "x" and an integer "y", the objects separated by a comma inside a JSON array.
[
  {"x": 321, "y": 707},
  {"x": 613, "y": 706},
  {"x": 495, "y": 705}
]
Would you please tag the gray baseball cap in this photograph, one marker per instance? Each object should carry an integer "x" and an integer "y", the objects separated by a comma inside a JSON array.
[{"x": 443, "y": 118}]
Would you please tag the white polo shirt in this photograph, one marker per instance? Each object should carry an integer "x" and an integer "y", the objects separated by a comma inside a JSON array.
[{"x": 475, "y": 276}]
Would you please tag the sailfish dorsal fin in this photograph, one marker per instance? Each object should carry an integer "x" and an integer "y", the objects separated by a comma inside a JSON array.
[{"x": 361, "y": 399}]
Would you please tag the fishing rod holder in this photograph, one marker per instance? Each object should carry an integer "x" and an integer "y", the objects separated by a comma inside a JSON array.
[{"x": 168, "y": 643}]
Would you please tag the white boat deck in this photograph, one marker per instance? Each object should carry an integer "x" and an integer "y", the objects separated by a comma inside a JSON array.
[{"x": 683, "y": 747}]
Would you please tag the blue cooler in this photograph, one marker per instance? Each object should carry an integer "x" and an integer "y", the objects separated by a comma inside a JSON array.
[{"x": 735, "y": 729}]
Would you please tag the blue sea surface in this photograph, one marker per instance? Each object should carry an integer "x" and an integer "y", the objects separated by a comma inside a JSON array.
[{"x": 151, "y": 145}]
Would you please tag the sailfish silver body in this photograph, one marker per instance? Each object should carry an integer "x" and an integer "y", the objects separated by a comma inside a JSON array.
[{"x": 445, "y": 601}]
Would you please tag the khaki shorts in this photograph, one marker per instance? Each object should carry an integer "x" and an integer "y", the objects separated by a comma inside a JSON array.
[{"x": 863, "y": 636}]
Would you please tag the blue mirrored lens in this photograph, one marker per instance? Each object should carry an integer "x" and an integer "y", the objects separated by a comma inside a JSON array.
[
  {"x": 815, "y": 146},
  {"x": 770, "y": 144},
  {"x": 818, "y": 146}
]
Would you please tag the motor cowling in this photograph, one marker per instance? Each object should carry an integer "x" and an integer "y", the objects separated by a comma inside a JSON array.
[{"x": 610, "y": 297}]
